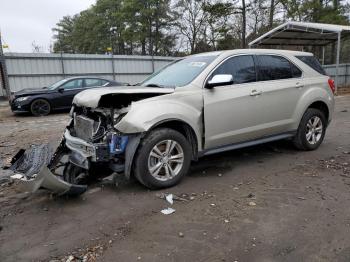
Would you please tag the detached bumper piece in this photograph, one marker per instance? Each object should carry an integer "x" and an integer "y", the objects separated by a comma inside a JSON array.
[{"x": 31, "y": 169}]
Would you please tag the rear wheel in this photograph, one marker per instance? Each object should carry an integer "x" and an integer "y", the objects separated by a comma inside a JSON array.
[
  {"x": 163, "y": 159},
  {"x": 311, "y": 130},
  {"x": 40, "y": 107}
]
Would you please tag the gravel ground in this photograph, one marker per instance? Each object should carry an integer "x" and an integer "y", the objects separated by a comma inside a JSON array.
[{"x": 264, "y": 203}]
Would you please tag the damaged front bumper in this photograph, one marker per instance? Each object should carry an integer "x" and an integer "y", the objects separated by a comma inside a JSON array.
[
  {"x": 31, "y": 170},
  {"x": 47, "y": 180}
]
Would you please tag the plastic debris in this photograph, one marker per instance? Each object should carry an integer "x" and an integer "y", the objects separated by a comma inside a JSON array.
[
  {"x": 169, "y": 198},
  {"x": 168, "y": 211},
  {"x": 252, "y": 203}
]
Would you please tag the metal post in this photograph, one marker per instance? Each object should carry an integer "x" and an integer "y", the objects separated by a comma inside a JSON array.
[
  {"x": 152, "y": 64},
  {"x": 337, "y": 65},
  {"x": 113, "y": 69},
  {"x": 323, "y": 50},
  {"x": 3, "y": 71},
  {"x": 62, "y": 65}
]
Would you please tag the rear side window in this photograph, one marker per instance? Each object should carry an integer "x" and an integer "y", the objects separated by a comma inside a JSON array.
[
  {"x": 90, "y": 82},
  {"x": 274, "y": 67},
  {"x": 242, "y": 69},
  {"x": 296, "y": 72},
  {"x": 313, "y": 63}
]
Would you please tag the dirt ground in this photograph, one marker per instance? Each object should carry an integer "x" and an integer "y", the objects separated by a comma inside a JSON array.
[{"x": 263, "y": 203}]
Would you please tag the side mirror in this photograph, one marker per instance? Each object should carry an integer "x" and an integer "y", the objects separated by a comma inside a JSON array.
[
  {"x": 220, "y": 80},
  {"x": 60, "y": 89}
]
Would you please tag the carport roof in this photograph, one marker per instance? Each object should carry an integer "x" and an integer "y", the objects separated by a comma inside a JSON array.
[{"x": 302, "y": 34}]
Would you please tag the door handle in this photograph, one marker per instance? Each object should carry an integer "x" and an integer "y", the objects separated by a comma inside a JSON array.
[
  {"x": 299, "y": 85},
  {"x": 255, "y": 92}
]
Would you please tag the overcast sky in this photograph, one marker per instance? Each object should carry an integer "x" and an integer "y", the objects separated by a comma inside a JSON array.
[{"x": 25, "y": 21}]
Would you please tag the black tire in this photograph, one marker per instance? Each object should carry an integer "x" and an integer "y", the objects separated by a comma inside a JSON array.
[
  {"x": 40, "y": 107},
  {"x": 300, "y": 140},
  {"x": 71, "y": 174},
  {"x": 141, "y": 161}
]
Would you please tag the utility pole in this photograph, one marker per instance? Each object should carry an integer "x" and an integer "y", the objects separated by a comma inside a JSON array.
[{"x": 3, "y": 71}]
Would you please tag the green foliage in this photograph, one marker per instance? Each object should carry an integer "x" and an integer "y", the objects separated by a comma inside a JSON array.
[{"x": 179, "y": 27}]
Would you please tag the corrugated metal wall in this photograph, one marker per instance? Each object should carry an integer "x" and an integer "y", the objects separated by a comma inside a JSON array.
[
  {"x": 28, "y": 70},
  {"x": 343, "y": 74},
  {"x": 38, "y": 70}
]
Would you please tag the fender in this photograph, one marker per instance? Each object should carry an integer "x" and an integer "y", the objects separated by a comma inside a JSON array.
[
  {"x": 310, "y": 96},
  {"x": 141, "y": 118}
]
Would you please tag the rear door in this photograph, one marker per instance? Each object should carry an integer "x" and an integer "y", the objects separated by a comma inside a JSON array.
[{"x": 281, "y": 85}]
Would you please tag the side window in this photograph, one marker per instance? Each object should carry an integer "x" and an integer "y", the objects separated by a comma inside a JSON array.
[
  {"x": 104, "y": 82},
  {"x": 313, "y": 63},
  {"x": 73, "y": 84},
  {"x": 90, "y": 82},
  {"x": 273, "y": 67},
  {"x": 242, "y": 69},
  {"x": 296, "y": 72}
]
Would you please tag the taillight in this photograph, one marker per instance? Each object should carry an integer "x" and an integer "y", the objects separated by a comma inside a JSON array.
[{"x": 331, "y": 84}]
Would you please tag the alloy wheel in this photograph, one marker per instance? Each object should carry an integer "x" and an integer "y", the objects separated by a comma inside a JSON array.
[
  {"x": 40, "y": 107},
  {"x": 165, "y": 160},
  {"x": 314, "y": 130}
]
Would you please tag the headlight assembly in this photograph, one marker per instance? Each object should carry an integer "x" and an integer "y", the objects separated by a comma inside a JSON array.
[{"x": 21, "y": 99}]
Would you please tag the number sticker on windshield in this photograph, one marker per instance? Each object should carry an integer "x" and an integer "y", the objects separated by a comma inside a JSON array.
[{"x": 197, "y": 64}]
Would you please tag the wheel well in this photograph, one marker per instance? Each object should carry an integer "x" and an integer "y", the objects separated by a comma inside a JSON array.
[
  {"x": 322, "y": 107},
  {"x": 185, "y": 129}
]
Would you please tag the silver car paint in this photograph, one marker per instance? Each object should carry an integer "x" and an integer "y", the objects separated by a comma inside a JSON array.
[{"x": 228, "y": 114}]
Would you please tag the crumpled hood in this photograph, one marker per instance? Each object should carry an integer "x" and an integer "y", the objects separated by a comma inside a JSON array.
[{"x": 91, "y": 98}]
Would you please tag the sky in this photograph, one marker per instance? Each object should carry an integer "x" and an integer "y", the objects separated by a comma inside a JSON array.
[{"x": 23, "y": 22}]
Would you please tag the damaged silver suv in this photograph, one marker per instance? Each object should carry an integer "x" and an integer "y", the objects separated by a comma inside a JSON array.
[{"x": 199, "y": 105}]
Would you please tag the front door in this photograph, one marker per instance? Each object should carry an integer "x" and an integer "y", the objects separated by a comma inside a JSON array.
[{"x": 67, "y": 91}]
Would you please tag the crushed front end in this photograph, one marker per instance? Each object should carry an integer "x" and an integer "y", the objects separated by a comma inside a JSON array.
[
  {"x": 93, "y": 140},
  {"x": 91, "y": 146}
]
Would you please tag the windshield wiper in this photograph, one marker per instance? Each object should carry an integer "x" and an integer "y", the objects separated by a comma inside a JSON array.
[{"x": 153, "y": 85}]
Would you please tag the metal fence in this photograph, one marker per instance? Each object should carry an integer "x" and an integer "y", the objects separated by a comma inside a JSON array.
[
  {"x": 343, "y": 74},
  {"x": 27, "y": 70}
]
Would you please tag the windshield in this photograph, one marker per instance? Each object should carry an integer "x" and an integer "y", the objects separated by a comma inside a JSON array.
[
  {"x": 57, "y": 84},
  {"x": 181, "y": 72}
]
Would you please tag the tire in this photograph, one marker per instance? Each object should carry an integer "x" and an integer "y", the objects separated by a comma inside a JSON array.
[
  {"x": 313, "y": 122},
  {"x": 71, "y": 174},
  {"x": 168, "y": 166},
  {"x": 40, "y": 107}
]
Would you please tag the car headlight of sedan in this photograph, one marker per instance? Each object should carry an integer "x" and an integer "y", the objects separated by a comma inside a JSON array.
[{"x": 21, "y": 99}]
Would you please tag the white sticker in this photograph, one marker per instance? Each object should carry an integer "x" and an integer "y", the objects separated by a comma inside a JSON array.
[{"x": 197, "y": 64}]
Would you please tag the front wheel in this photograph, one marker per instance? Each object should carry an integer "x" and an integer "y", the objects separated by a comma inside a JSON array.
[
  {"x": 311, "y": 130},
  {"x": 40, "y": 107},
  {"x": 163, "y": 159}
]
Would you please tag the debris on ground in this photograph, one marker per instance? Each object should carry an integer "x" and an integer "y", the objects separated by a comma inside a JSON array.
[
  {"x": 168, "y": 211},
  {"x": 251, "y": 195},
  {"x": 169, "y": 198},
  {"x": 181, "y": 234},
  {"x": 174, "y": 197},
  {"x": 251, "y": 203},
  {"x": 7, "y": 144}
]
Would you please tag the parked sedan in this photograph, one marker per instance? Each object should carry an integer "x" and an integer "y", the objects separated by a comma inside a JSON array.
[{"x": 58, "y": 96}]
